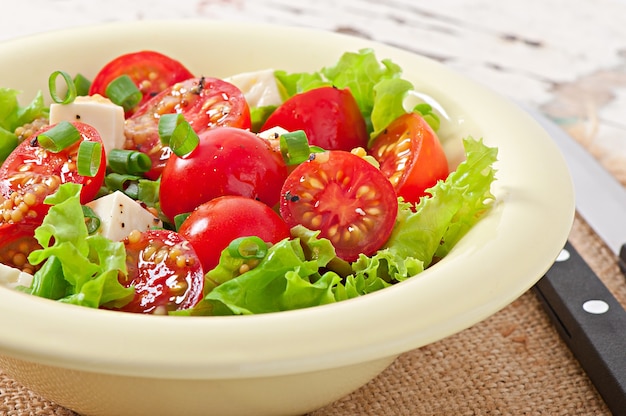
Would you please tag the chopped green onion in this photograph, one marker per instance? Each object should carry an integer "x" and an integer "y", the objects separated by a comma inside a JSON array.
[
  {"x": 247, "y": 248},
  {"x": 179, "y": 219},
  {"x": 132, "y": 189},
  {"x": 134, "y": 186},
  {"x": 123, "y": 91},
  {"x": 177, "y": 133},
  {"x": 70, "y": 95},
  {"x": 184, "y": 140},
  {"x": 119, "y": 182},
  {"x": 89, "y": 158},
  {"x": 294, "y": 147},
  {"x": 167, "y": 125},
  {"x": 61, "y": 136},
  {"x": 82, "y": 85},
  {"x": 132, "y": 162},
  {"x": 92, "y": 221},
  {"x": 149, "y": 192}
]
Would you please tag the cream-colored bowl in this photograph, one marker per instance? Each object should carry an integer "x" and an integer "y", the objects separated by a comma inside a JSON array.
[{"x": 100, "y": 362}]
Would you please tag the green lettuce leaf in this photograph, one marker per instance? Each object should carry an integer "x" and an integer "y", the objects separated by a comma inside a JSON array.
[
  {"x": 453, "y": 207},
  {"x": 79, "y": 268},
  {"x": 13, "y": 115},
  {"x": 388, "y": 103},
  {"x": 283, "y": 280}
]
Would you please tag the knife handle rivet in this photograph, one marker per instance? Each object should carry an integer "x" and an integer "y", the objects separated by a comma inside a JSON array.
[
  {"x": 563, "y": 255},
  {"x": 596, "y": 307}
]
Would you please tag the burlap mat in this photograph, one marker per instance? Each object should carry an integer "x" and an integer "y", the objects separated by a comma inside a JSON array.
[{"x": 513, "y": 363}]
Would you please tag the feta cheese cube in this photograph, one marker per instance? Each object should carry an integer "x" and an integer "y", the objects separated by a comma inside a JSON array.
[
  {"x": 97, "y": 111},
  {"x": 12, "y": 277},
  {"x": 259, "y": 87},
  {"x": 272, "y": 133},
  {"x": 120, "y": 214}
]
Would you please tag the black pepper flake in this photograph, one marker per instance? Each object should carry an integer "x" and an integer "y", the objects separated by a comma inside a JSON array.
[
  {"x": 123, "y": 225},
  {"x": 198, "y": 88},
  {"x": 34, "y": 142},
  {"x": 291, "y": 198},
  {"x": 77, "y": 117}
]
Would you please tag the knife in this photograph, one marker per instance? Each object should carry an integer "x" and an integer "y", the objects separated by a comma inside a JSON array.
[{"x": 585, "y": 313}]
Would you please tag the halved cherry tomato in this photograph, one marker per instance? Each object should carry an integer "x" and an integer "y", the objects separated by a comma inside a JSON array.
[
  {"x": 411, "y": 156},
  {"x": 212, "y": 226},
  {"x": 329, "y": 116},
  {"x": 32, "y": 169},
  {"x": 31, "y": 173},
  {"x": 151, "y": 71},
  {"x": 346, "y": 198},
  {"x": 227, "y": 161},
  {"x": 164, "y": 270},
  {"x": 17, "y": 241},
  {"x": 205, "y": 103}
]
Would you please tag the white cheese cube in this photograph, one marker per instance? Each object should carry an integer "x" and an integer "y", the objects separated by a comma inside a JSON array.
[
  {"x": 259, "y": 88},
  {"x": 120, "y": 214},
  {"x": 272, "y": 133},
  {"x": 12, "y": 277},
  {"x": 97, "y": 111}
]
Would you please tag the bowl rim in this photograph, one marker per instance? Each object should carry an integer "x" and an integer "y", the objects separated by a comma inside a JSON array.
[{"x": 537, "y": 207}]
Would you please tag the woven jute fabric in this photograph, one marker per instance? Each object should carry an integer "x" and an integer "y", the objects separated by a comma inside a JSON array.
[{"x": 513, "y": 363}]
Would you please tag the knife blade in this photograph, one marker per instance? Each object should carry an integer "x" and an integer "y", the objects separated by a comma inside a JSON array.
[{"x": 586, "y": 315}]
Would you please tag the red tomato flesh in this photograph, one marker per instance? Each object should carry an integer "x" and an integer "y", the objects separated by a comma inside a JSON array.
[
  {"x": 205, "y": 102},
  {"x": 213, "y": 225},
  {"x": 411, "y": 156},
  {"x": 227, "y": 161},
  {"x": 32, "y": 169},
  {"x": 164, "y": 270},
  {"x": 152, "y": 72},
  {"x": 329, "y": 116},
  {"x": 346, "y": 198},
  {"x": 16, "y": 243}
]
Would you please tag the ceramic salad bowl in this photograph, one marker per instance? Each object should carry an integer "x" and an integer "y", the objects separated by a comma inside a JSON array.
[{"x": 100, "y": 362}]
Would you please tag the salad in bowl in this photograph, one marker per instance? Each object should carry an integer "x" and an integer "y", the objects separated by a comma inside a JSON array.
[
  {"x": 267, "y": 324},
  {"x": 152, "y": 189}
]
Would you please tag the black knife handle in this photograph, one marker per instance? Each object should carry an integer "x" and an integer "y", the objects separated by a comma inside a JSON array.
[{"x": 591, "y": 322}]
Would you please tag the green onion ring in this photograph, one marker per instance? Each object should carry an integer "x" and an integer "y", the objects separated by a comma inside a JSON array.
[
  {"x": 82, "y": 85},
  {"x": 294, "y": 147},
  {"x": 89, "y": 158},
  {"x": 123, "y": 92},
  {"x": 118, "y": 181},
  {"x": 184, "y": 140},
  {"x": 92, "y": 221},
  {"x": 177, "y": 133},
  {"x": 60, "y": 137},
  {"x": 70, "y": 95},
  {"x": 131, "y": 162}
]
